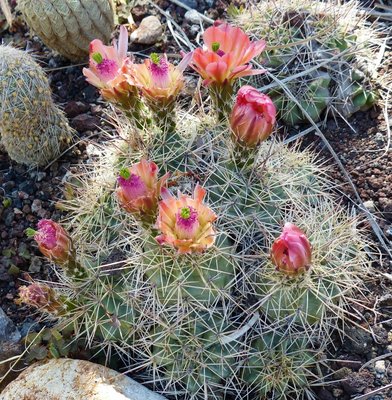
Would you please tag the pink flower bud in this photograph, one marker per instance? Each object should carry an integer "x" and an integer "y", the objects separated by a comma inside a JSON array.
[
  {"x": 40, "y": 296},
  {"x": 185, "y": 222},
  {"x": 291, "y": 252},
  {"x": 253, "y": 117},
  {"x": 53, "y": 241},
  {"x": 226, "y": 54},
  {"x": 139, "y": 188}
]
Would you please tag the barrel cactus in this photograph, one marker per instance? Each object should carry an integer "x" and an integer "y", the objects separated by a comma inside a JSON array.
[
  {"x": 322, "y": 56},
  {"x": 33, "y": 129},
  {"x": 212, "y": 259},
  {"x": 68, "y": 26}
]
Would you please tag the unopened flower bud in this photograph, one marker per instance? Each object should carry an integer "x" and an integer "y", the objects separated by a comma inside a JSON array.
[
  {"x": 253, "y": 117},
  {"x": 291, "y": 252}
]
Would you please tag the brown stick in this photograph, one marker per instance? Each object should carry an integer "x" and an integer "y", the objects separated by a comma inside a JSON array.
[{"x": 5, "y": 7}]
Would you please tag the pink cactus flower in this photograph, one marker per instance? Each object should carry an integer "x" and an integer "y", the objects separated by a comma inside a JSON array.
[
  {"x": 291, "y": 252},
  {"x": 185, "y": 222},
  {"x": 253, "y": 117},
  {"x": 226, "y": 54},
  {"x": 139, "y": 188},
  {"x": 106, "y": 68},
  {"x": 158, "y": 79},
  {"x": 40, "y": 296},
  {"x": 53, "y": 241}
]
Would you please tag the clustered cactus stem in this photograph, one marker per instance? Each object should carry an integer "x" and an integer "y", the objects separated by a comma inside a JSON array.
[
  {"x": 33, "y": 130},
  {"x": 212, "y": 272}
]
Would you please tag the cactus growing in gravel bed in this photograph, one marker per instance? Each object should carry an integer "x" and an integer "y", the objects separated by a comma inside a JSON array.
[
  {"x": 68, "y": 26},
  {"x": 33, "y": 130},
  {"x": 215, "y": 265},
  {"x": 322, "y": 56}
]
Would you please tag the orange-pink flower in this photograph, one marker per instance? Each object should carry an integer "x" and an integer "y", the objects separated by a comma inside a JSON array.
[
  {"x": 158, "y": 79},
  {"x": 139, "y": 188},
  {"x": 291, "y": 252},
  {"x": 185, "y": 222},
  {"x": 226, "y": 54},
  {"x": 253, "y": 117},
  {"x": 53, "y": 241},
  {"x": 107, "y": 68}
]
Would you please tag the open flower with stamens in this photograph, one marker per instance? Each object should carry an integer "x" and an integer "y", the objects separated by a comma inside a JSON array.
[
  {"x": 107, "y": 67},
  {"x": 185, "y": 222},
  {"x": 253, "y": 117},
  {"x": 159, "y": 80},
  {"x": 40, "y": 296},
  {"x": 291, "y": 252},
  {"x": 226, "y": 54},
  {"x": 53, "y": 241},
  {"x": 139, "y": 188}
]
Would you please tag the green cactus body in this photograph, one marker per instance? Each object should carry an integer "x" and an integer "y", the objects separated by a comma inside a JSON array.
[
  {"x": 182, "y": 279},
  {"x": 277, "y": 365},
  {"x": 68, "y": 26},
  {"x": 33, "y": 130},
  {"x": 194, "y": 356},
  {"x": 197, "y": 308}
]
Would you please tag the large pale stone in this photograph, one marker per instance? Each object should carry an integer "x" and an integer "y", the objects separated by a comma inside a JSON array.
[
  {"x": 149, "y": 31},
  {"x": 66, "y": 379}
]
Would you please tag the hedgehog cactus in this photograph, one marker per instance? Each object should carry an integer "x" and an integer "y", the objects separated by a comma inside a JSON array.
[
  {"x": 221, "y": 272},
  {"x": 315, "y": 51},
  {"x": 68, "y": 26},
  {"x": 33, "y": 130}
]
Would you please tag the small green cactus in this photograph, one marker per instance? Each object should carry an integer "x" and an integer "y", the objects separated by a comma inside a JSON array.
[
  {"x": 68, "y": 26},
  {"x": 33, "y": 129}
]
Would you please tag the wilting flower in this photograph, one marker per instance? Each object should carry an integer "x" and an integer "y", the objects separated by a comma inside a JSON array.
[
  {"x": 253, "y": 117},
  {"x": 226, "y": 54},
  {"x": 53, "y": 241},
  {"x": 185, "y": 222},
  {"x": 107, "y": 68},
  {"x": 40, "y": 296},
  {"x": 139, "y": 188},
  {"x": 291, "y": 252},
  {"x": 159, "y": 80}
]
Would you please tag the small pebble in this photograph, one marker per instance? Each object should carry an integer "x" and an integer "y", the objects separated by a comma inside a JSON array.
[
  {"x": 370, "y": 205},
  {"x": 380, "y": 367},
  {"x": 149, "y": 32},
  {"x": 193, "y": 16}
]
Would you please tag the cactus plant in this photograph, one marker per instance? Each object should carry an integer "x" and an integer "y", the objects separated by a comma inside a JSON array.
[
  {"x": 316, "y": 53},
  {"x": 33, "y": 129},
  {"x": 182, "y": 286},
  {"x": 68, "y": 26}
]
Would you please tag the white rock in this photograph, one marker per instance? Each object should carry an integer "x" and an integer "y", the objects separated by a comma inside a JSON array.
[
  {"x": 380, "y": 367},
  {"x": 192, "y": 16},
  {"x": 149, "y": 32},
  {"x": 66, "y": 379},
  {"x": 370, "y": 205}
]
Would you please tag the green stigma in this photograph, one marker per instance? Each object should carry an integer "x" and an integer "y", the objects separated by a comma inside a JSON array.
[
  {"x": 30, "y": 232},
  {"x": 185, "y": 213},
  {"x": 215, "y": 46},
  {"x": 155, "y": 58},
  {"x": 97, "y": 57},
  {"x": 124, "y": 173}
]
